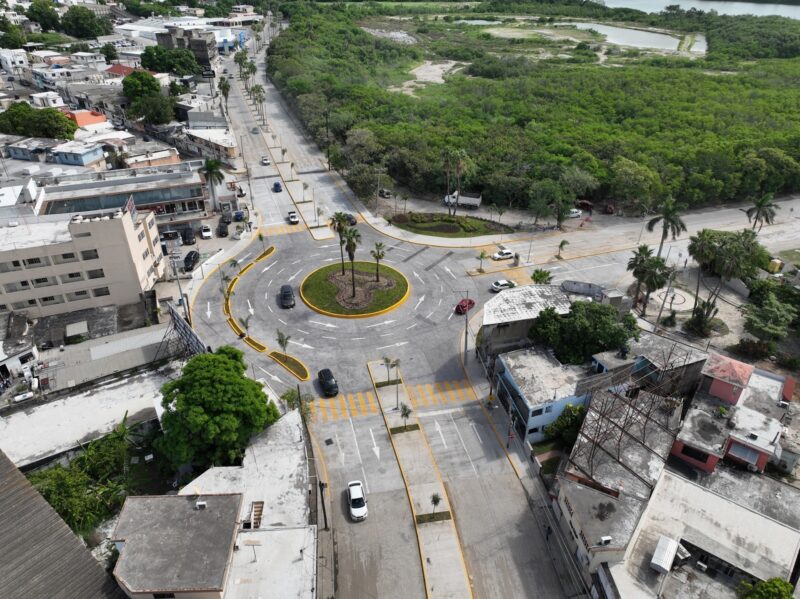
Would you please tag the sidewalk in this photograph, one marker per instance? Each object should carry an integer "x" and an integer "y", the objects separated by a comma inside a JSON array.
[{"x": 441, "y": 555}]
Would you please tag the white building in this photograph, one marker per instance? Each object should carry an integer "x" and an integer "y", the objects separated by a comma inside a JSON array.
[
  {"x": 46, "y": 100},
  {"x": 92, "y": 60},
  {"x": 11, "y": 61}
]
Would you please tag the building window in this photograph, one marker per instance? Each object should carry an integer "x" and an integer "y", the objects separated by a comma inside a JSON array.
[
  {"x": 101, "y": 291},
  {"x": 43, "y": 282},
  {"x": 533, "y": 431},
  {"x": 145, "y": 254},
  {"x": 77, "y": 295},
  {"x": 65, "y": 258},
  {"x": 548, "y": 409},
  {"x": 75, "y": 275},
  {"x": 536, "y": 412},
  {"x": 19, "y": 305},
  {"x": 3, "y": 308},
  {"x": 89, "y": 255},
  {"x": 97, "y": 273},
  {"x": 36, "y": 262},
  {"x": 84, "y": 234},
  {"x": 695, "y": 454},
  {"x": 51, "y": 299},
  {"x": 141, "y": 235},
  {"x": 163, "y": 595},
  {"x": 151, "y": 223}
]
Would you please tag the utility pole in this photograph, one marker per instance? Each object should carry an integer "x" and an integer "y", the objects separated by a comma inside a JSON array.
[
  {"x": 466, "y": 330},
  {"x": 530, "y": 247},
  {"x": 664, "y": 301},
  {"x": 511, "y": 420},
  {"x": 322, "y": 486}
]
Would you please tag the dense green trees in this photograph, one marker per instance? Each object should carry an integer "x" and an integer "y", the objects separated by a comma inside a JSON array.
[
  {"x": 13, "y": 37},
  {"x": 139, "y": 84},
  {"x": 212, "y": 410},
  {"x": 81, "y": 22},
  {"x": 565, "y": 428},
  {"x": 774, "y": 588},
  {"x": 44, "y": 13},
  {"x": 178, "y": 61},
  {"x": 110, "y": 52},
  {"x": 147, "y": 101},
  {"x": 643, "y": 132},
  {"x": 22, "y": 119}
]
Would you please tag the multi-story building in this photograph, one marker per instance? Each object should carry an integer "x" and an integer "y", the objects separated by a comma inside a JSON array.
[
  {"x": 81, "y": 154},
  {"x": 47, "y": 100},
  {"x": 203, "y": 44},
  {"x": 49, "y": 77},
  {"x": 11, "y": 61},
  {"x": 62, "y": 264},
  {"x": 93, "y": 60}
]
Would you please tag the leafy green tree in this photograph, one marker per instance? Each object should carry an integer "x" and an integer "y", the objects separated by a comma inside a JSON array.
[
  {"x": 541, "y": 276},
  {"x": 339, "y": 223},
  {"x": 769, "y": 321},
  {"x": 80, "y": 47},
  {"x": 139, "y": 84},
  {"x": 541, "y": 194},
  {"x": 13, "y": 37},
  {"x": 352, "y": 239},
  {"x": 22, "y": 119},
  {"x": 762, "y": 211},
  {"x": 774, "y": 588},
  {"x": 212, "y": 172},
  {"x": 671, "y": 222},
  {"x": 156, "y": 109},
  {"x": 436, "y": 499},
  {"x": 177, "y": 61},
  {"x": 361, "y": 179},
  {"x": 212, "y": 410},
  {"x": 283, "y": 340},
  {"x": 44, "y": 13},
  {"x": 300, "y": 402},
  {"x": 482, "y": 256},
  {"x": 405, "y": 414},
  {"x": 378, "y": 254},
  {"x": 636, "y": 266},
  {"x": 577, "y": 181},
  {"x": 82, "y": 23},
  {"x": 176, "y": 89},
  {"x": 634, "y": 184},
  {"x": 110, "y": 52},
  {"x": 565, "y": 428},
  {"x": 587, "y": 329}
]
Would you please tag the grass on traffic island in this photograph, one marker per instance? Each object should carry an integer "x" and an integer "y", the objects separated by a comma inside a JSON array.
[
  {"x": 292, "y": 364},
  {"x": 404, "y": 429},
  {"x": 329, "y": 291},
  {"x": 443, "y": 225},
  {"x": 434, "y": 517}
]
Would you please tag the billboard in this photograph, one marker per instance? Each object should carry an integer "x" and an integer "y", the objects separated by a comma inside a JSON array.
[{"x": 187, "y": 335}]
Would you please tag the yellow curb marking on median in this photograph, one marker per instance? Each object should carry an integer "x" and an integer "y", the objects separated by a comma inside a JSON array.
[
  {"x": 394, "y": 306},
  {"x": 303, "y": 377},
  {"x": 408, "y": 491},
  {"x": 265, "y": 254},
  {"x": 255, "y": 344},
  {"x": 246, "y": 268}
]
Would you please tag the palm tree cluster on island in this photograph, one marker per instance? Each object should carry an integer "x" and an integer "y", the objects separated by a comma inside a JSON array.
[{"x": 349, "y": 240}]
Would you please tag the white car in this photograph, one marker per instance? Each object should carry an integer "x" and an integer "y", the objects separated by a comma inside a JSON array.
[
  {"x": 205, "y": 232},
  {"x": 503, "y": 255},
  {"x": 265, "y": 161},
  {"x": 502, "y": 284},
  {"x": 293, "y": 218},
  {"x": 356, "y": 500},
  {"x": 575, "y": 213}
]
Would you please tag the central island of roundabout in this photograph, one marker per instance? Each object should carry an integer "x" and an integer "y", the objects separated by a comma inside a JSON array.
[{"x": 359, "y": 290}]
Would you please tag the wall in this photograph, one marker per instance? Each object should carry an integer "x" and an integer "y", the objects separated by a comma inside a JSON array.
[
  {"x": 761, "y": 461},
  {"x": 725, "y": 391},
  {"x": 708, "y": 466}
]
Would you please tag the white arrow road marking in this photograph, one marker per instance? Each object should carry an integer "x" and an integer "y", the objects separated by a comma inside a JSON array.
[
  {"x": 450, "y": 272},
  {"x": 208, "y": 309},
  {"x": 292, "y": 278},
  {"x": 266, "y": 268},
  {"x": 358, "y": 451},
  {"x": 419, "y": 301},
  {"x": 300, "y": 344},
  {"x": 270, "y": 375},
  {"x": 379, "y": 324},
  {"x": 250, "y": 308},
  {"x": 439, "y": 430},
  {"x": 283, "y": 321},
  {"x": 412, "y": 326},
  {"x": 475, "y": 430},
  {"x": 324, "y": 324},
  {"x": 419, "y": 278},
  {"x": 451, "y": 315},
  {"x": 280, "y": 271},
  {"x": 375, "y": 447},
  {"x": 463, "y": 445},
  {"x": 398, "y": 344}
]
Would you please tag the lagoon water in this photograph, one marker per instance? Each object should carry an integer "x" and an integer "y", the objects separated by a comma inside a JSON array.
[
  {"x": 632, "y": 37},
  {"x": 723, "y": 8}
]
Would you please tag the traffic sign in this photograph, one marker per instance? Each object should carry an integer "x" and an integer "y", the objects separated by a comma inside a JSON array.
[{"x": 208, "y": 74}]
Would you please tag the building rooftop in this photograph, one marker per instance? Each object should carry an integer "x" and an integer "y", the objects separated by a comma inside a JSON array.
[
  {"x": 524, "y": 303},
  {"x": 35, "y": 143},
  {"x": 540, "y": 377},
  {"x": 172, "y": 545},
  {"x": 75, "y": 147},
  {"x": 222, "y": 137},
  {"x": 660, "y": 351},
  {"x": 42, "y": 557},
  {"x": 727, "y": 370},
  {"x": 34, "y": 231}
]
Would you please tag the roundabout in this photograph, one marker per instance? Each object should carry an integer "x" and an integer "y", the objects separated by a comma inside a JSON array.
[{"x": 358, "y": 292}]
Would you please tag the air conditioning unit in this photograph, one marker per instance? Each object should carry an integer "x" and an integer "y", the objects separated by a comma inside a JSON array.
[
  {"x": 605, "y": 540},
  {"x": 783, "y": 404},
  {"x": 200, "y": 505}
]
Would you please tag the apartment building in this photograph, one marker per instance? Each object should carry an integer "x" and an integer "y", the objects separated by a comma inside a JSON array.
[{"x": 68, "y": 263}]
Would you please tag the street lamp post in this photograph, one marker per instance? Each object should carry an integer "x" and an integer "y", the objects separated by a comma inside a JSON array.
[
  {"x": 511, "y": 420},
  {"x": 322, "y": 486}
]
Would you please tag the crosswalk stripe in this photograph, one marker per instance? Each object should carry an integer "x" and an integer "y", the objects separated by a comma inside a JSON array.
[
  {"x": 342, "y": 406},
  {"x": 312, "y": 408},
  {"x": 458, "y": 391},
  {"x": 421, "y": 399},
  {"x": 352, "y": 401},
  {"x": 332, "y": 407},
  {"x": 373, "y": 408},
  {"x": 362, "y": 403},
  {"x": 442, "y": 392},
  {"x": 431, "y": 394},
  {"x": 323, "y": 412},
  {"x": 468, "y": 391},
  {"x": 412, "y": 397}
]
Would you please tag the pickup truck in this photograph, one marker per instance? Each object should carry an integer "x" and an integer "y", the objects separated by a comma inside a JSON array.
[
  {"x": 293, "y": 218},
  {"x": 462, "y": 201}
]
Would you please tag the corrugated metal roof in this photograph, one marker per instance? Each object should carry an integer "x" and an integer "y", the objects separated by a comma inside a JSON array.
[
  {"x": 41, "y": 557},
  {"x": 728, "y": 370}
]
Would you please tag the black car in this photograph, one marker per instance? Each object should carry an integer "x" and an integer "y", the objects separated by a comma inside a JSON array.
[
  {"x": 287, "y": 296},
  {"x": 188, "y": 236},
  {"x": 328, "y": 383},
  {"x": 190, "y": 260},
  {"x": 226, "y": 218},
  {"x": 351, "y": 219},
  {"x": 222, "y": 230}
]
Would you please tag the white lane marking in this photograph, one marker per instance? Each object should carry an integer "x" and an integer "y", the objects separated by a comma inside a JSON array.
[
  {"x": 439, "y": 303},
  {"x": 419, "y": 301},
  {"x": 439, "y": 430},
  {"x": 379, "y": 324},
  {"x": 475, "y": 470},
  {"x": 451, "y": 315},
  {"x": 385, "y": 334},
  {"x": 375, "y": 447},
  {"x": 243, "y": 258},
  {"x": 269, "y": 307},
  {"x": 272, "y": 376},
  {"x": 358, "y": 338},
  {"x": 475, "y": 430},
  {"x": 419, "y": 278},
  {"x": 268, "y": 284},
  {"x": 250, "y": 308},
  {"x": 304, "y": 332},
  {"x": 358, "y": 451},
  {"x": 295, "y": 262},
  {"x": 294, "y": 276},
  {"x": 283, "y": 321},
  {"x": 412, "y": 326},
  {"x": 436, "y": 276},
  {"x": 324, "y": 324},
  {"x": 450, "y": 272},
  {"x": 280, "y": 271},
  {"x": 429, "y": 315},
  {"x": 266, "y": 268},
  {"x": 324, "y": 337},
  {"x": 304, "y": 345},
  {"x": 208, "y": 309},
  {"x": 398, "y": 344}
]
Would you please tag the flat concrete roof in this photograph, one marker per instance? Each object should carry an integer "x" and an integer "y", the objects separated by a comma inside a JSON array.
[
  {"x": 222, "y": 137},
  {"x": 540, "y": 377},
  {"x": 524, "y": 303},
  {"x": 32, "y": 232},
  {"x": 662, "y": 352},
  {"x": 171, "y": 545}
]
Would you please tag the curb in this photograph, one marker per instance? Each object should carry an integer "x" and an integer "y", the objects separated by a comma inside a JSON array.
[
  {"x": 394, "y": 306},
  {"x": 275, "y": 359}
]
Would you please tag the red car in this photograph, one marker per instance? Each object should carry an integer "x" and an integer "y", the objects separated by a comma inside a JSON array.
[{"x": 464, "y": 306}]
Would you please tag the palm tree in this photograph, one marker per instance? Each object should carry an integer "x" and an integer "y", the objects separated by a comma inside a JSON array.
[
  {"x": 671, "y": 222},
  {"x": 246, "y": 323},
  {"x": 762, "y": 211},
  {"x": 283, "y": 341},
  {"x": 436, "y": 499},
  {"x": 564, "y": 243},
  {"x": 352, "y": 238},
  {"x": 240, "y": 58},
  {"x": 500, "y": 212},
  {"x": 541, "y": 277},
  {"x": 212, "y": 171},
  {"x": 405, "y": 412},
  {"x": 389, "y": 363},
  {"x": 655, "y": 276},
  {"x": 225, "y": 90},
  {"x": 339, "y": 224},
  {"x": 702, "y": 248},
  {"x": 261, "y": 238},
  {"x": 482, "y": 256},
  {"x": 378, "y": 253},
  {"x": 258, "y": 95},
  {"x": 636, "y": 264}
]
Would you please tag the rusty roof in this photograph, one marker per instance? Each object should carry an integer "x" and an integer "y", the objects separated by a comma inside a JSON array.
[{"x": 728, "y": 370}]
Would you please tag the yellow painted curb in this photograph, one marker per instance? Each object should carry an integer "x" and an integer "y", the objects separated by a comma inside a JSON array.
[
  {"x": 274, "y": 354},
  {"x": 255, "y": 344},
  {"x": 265, "y": 254},
  {"x": 394, "y": 306},
  {"x": 405, "y": 484},
  {"x": 232, "y": 285},
  {"x": 226, "y": 306},
  {"x": 246, "y": 268},
  {"x": 235, "y": 326}
]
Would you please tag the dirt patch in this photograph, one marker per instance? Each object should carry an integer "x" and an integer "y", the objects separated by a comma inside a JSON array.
[
  {"x": 401, "y": 37},
  {"x": 428, "y": 72},
  {"x": 366, "y": 285}
]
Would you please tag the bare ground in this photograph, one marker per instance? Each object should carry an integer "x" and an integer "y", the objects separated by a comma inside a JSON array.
[{"x": 366, "y": 285}]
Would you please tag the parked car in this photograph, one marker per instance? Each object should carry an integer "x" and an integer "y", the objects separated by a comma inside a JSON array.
[
  {"x": 287, "y": 296},
  {"x": 385, "y": 193},
  {"x": 575, "y": 213},
  {"x": 351, "y": 219},
  {"x": 503, "y": 255},
  {"x": 205, "y": 232},
  {"x": 188, "y": 236},
  {"x": 502, "y": 284},
  {"x": 191, "y": 260},
  {"x": 28, "y": 395},
  {"x": 357, "y": 501},
  {"x": 241, "y": 193},
  {"x": 465, "y": 305},
  {"x": 328, "y": 383},
  {"x": 293, "y": 218},
  {"x": 265, "y": 161},
  {"x": 255, "y": 130},
  {"x": 222, "y": 229},
  {"x": 277, "y": 187},
  {"x": 169, "y": 235}
]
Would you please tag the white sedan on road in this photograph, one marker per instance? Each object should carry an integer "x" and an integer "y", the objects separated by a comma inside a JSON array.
[
  {"x": 503, "y": 255},
  {"x": 502, "y": 284},
  {"x": 575, "y": 213},
  {"x": 357, "y": 501},
  {"x": 265, "y": 161}
]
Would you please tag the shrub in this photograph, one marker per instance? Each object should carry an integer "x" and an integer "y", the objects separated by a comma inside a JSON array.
[
  {"x": 788, "y": 361},
  {"x": 752, "y": 348}
]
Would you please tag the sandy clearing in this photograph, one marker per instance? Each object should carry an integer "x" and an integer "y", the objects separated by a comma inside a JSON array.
[{"x": 428, "y": 72}]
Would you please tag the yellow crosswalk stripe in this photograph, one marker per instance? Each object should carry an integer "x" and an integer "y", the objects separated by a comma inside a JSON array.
[
  {"x": 312, "y": 408},
  {"x": 362, "y": 403},
  {"x": 441, "y": 393},
  {"x": 323, "y": 412},
  {"x": 412, "y": 397},
  {"x": 343, "y": 406},
  {"x": 420, "y": 395},
  {"x": 333, "y": 409},
  {"x": 466, "y": 389},
  {"x": 431, "y": 394},
  {"x": 373, "y": 408},
  {"x": 352, "y": 401},
  {"x": 449, "y": 391},
  {"x": 457, "y": 390}
]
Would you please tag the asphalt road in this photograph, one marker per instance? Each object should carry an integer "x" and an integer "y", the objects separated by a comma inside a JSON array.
[{"x": 504, "y": 551}]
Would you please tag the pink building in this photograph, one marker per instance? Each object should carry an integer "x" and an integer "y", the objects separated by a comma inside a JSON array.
[{"x": 725, "y": 378}]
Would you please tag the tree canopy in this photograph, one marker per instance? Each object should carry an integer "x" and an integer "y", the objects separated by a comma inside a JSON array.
[
  {"x": 212, "y": 410},
  {"x": 22, "y": 119},
  {"x": 178, "y": 61},
  {"x": 564, "y": 429},
  {"x": 81, "y": 22},
  {"x": 774, "y": 588},
  {"x": 587, "y": 329},
  {"x": 769, "y": 320},
  {"x": 139, "y": 84},
  {"x": 44, "y": 13}
]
